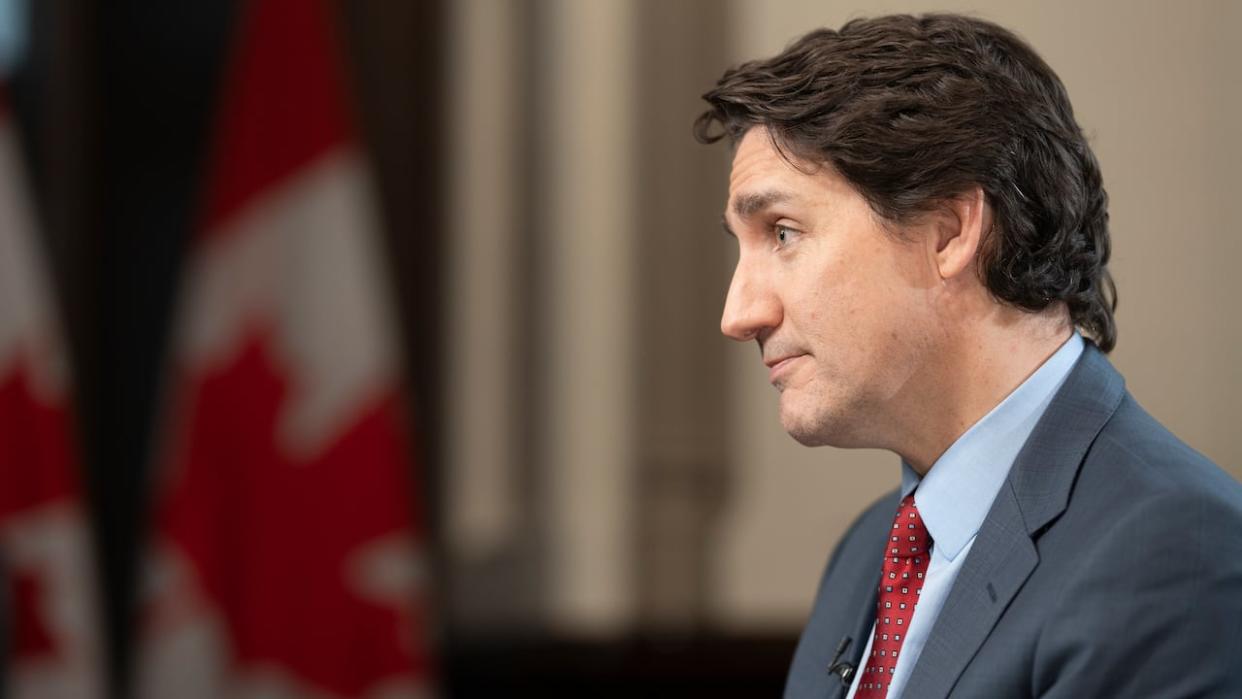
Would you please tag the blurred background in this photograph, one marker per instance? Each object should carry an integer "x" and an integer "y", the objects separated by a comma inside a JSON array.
[{"x": 601, "y": 498}]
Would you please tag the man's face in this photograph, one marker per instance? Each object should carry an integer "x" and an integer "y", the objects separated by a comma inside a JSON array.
[{"x": 840, "y": 307}]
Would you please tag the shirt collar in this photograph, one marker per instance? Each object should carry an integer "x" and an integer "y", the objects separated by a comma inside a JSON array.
[{"x": 958, "y": 490}]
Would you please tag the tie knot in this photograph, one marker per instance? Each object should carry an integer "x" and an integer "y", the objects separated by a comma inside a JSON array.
[{"x": 909, "y": 536}]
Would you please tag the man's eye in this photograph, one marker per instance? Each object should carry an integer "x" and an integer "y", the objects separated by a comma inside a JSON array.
[{"x": 784, "y": 234}]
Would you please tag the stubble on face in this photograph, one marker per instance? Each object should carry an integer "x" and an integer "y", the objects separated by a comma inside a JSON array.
[{"x": 844, "y": 300}]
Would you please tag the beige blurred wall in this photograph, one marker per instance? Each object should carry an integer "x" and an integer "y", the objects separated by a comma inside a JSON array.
[{"x": 616, "y": 466}]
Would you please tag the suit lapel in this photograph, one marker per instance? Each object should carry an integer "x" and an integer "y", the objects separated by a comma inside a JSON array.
[
  {"x": 861, "y": 628},
  {"x": 1000, "y": 560},
  {"x": 1004, "y": 554}
]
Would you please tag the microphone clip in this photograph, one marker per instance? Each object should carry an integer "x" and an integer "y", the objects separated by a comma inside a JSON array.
[{"x": 842, "y": 668}]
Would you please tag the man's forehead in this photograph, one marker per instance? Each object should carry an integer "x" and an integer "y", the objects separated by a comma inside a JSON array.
[
  {"x": 758, "y": 158},
  {"x": 758, "y": 177},
  {"x": 764, "y": 175},
  {"x": 754, "y": 151}
]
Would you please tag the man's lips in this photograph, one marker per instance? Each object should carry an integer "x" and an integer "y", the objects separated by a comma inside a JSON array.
[{"x": 779, "y": 365}]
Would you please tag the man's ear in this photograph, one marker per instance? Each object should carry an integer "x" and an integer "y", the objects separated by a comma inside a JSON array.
[{"x": 959, "y": 232}]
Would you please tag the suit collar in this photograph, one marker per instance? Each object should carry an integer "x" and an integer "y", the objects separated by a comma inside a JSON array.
[
  {"x": 1043, "y": 473},
  {"x": 961, "y": 486},
  {"x": 1035, "y": 493}
]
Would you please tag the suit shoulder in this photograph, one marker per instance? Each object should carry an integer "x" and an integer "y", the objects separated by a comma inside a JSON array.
[
  {"x": 880, "y": 511},
  {"x": 866, "y": 533},
  {"x": 1140, "y": 455},
  {"x": 848, "y": 580},
  {"x": 876, "y": 518}
]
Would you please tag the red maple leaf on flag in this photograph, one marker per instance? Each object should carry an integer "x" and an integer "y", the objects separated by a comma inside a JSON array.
[
  {"x": 287, "y": 552},
  {"x": 301, "y": 559},
  {"x": 53, "y": 648}
]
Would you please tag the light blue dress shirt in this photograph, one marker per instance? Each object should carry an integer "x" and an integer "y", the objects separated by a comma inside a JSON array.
[{"x": 958, "y": 490}]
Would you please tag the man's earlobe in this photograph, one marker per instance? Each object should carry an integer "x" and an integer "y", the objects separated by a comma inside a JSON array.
[{"x": 960, "y": 228}]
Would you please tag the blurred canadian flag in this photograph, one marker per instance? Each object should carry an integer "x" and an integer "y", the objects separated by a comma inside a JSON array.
[
  {"x": 285, "y": 559},
  {"x": 45, "y": 545}
]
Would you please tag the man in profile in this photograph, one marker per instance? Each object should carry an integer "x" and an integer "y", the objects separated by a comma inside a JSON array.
[{"x": 923, "y": 246}]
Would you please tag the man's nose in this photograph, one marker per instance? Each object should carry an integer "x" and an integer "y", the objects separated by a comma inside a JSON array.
[{"x": 751, "y": 309}]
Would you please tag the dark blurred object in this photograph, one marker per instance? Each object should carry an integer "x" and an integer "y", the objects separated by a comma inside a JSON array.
[
  {"x": 706, "y": 666},
  {"x": 152, "y": 76}
]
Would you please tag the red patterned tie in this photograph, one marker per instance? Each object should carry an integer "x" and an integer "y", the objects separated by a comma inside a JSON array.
[{"x": 905, "y": 564}]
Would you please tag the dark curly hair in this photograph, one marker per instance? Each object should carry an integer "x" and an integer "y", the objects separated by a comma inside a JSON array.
[{"x": 914, "y": 110}]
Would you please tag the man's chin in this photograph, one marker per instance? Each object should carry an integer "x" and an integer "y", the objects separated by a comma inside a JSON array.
[
  {"x": 805, "y": 429},
  {"x": 816, "y": 426}
]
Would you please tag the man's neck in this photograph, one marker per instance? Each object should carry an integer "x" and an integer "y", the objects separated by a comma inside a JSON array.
[{"x": 988, "y": 363}]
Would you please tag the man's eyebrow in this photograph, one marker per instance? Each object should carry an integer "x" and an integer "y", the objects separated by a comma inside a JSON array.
[{"x": 747, "y": 205}]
